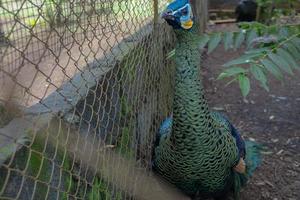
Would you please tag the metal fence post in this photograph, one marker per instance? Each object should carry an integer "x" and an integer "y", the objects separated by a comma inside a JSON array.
[
  {"x": 201, "y": 13},
  {"x": 155, "y": 10}
]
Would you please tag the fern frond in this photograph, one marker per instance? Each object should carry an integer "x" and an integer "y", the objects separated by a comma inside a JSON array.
[{"x": 271, "y": 49}]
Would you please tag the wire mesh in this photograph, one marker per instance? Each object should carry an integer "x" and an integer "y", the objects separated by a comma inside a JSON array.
[{"x": 84, "y": 86}]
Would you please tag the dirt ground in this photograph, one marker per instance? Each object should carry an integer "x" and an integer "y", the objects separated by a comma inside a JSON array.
[
  {"x": 270, "y": 118},
  {"x": 51, "y": 58}
]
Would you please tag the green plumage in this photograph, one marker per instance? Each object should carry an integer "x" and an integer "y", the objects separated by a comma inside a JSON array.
[{"x": 199, "y": 152}]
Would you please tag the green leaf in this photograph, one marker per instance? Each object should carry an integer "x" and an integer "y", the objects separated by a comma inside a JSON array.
[
  {"x": 231, "y": 72},
  {"x": 237, "y": 61},
  {"x": 258, "y": 51},
  {"x": 272, "y": 30},
  {"x": 231, "y": 81},
  {"x": 222, "y": 76},
  {"x": 281, "y": 63},
  {"x": 283, "y": 32},
  {"x": 170, "y": 54},
  {"x": 228, "y": 40},
  {"x": 251, "y": 36},
  {"x": 214, "y": 42},
  {"x": 247, "y": 58},
  {"x": 244, "y": 83},
  {"x": 296, "y": 42},
  {"x": 203, "y": 41},
  {"x": 245, "y": 25},
  {"x": 265, "y": 86},
  {"x": 296, "y": 39},
  {"x": 259, "y": 75},
  {"x": 288, "y": 57},
  {"x": 272, "y": 68},
  {"x": 292, "y": 50},
  {"x": 239, "y": 39},
  {"x": 294, "y": 30}
]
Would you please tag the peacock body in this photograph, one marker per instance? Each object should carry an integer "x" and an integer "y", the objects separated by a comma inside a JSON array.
[
  {"x": 246, "y": 11},
  {"x": 197, "y": 148}
]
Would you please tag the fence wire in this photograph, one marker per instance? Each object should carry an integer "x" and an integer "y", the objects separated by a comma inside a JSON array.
[{"x": 84, "y": 86}]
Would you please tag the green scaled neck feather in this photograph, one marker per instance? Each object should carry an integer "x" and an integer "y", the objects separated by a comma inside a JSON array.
[
  {"x": 192, "y": 120},
  {"x": 198, "y": 155}
]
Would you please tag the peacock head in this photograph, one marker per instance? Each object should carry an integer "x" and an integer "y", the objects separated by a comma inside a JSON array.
[{"x": 179, "y": 14}]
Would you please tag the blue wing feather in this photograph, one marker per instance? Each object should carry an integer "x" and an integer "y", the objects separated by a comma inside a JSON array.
[
  {"x": 239, "y": 141},
  {"x": 164, "y": 129},
  {"x": 166, "y": 126}
]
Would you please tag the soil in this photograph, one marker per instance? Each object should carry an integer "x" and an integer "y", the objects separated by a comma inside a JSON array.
[{"x": 270, "y": 118}]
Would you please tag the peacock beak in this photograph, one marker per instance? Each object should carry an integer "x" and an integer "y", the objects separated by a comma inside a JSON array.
[
  {"x": 167, "y": 15},
  {"x": 188, "y": 24}
]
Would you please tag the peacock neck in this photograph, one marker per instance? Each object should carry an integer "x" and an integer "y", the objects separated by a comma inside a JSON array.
[{"x": 192, "y": 120}]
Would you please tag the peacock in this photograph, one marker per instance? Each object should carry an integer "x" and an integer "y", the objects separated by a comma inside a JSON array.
[
  {"x": 198, "y": 150},
  {"x": 246, "y": 11}
]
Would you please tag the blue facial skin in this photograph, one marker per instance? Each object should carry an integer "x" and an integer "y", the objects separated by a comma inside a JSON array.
[{"x": 177, "y": 13}]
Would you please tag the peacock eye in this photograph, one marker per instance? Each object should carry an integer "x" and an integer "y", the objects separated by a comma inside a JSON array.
[
  {"x": 169, "y": 11},
  {"x": 184, "y": 11}
]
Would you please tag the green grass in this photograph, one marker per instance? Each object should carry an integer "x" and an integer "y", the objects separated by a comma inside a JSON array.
[
  {"x": 40, "y": 168},
  {"x": 32, "y": 160},
  {"x": 34, "y": 165},
  {"x": 125, "y": 139},
  {"x": 127, "y": 76},
  {"x": 124, "y": 143},
  {"x": 99, "y": 190},
  {"x": 3, "y": 174}
]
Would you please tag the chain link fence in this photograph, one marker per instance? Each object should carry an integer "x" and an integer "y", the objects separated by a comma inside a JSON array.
[{"x": 84, "y": 87}]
